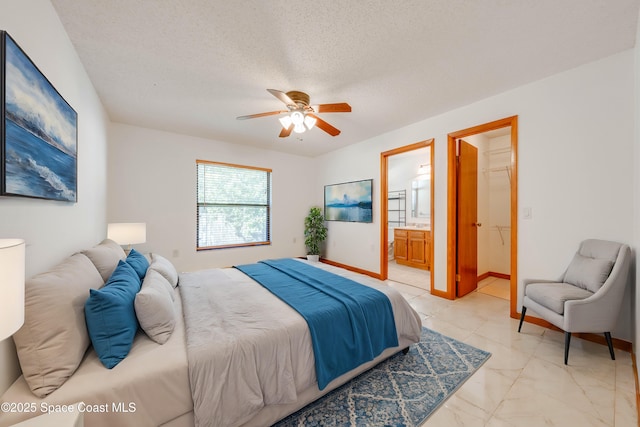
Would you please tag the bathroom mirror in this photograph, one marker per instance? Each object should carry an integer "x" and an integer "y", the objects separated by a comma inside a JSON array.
[{"x": 420, "y": 197}]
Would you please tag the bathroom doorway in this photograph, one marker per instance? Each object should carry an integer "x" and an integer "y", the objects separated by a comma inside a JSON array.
[{"x": 407, "y": 215}]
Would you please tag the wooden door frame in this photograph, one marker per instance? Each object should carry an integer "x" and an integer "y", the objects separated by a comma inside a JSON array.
[
  {"x": 452, "y": 248},
  {"x": 384, "y": 204}
]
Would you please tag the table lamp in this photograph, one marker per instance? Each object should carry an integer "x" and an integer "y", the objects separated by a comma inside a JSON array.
[
  {"x": 12, "y": 268},
  {"x": 127, "y": 233}
]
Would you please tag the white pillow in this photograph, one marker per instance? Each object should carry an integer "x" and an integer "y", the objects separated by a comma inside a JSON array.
[
  {"x": 164, "y": 267},
  {"x": 54, "y": 337},
  {"x": 105, "y": 257},
  {"x": 154, "y": 307},
  {"x": 588, "y": 273}
]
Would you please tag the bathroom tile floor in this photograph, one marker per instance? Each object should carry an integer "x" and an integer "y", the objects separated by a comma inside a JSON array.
[{"x": 409, "y": 275}]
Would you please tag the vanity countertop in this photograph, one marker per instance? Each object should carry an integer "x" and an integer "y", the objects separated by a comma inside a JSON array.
[{"x": 414, "y": 227}]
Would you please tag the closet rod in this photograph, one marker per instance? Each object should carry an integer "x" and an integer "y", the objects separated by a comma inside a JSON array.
[
  {"x": 500, "y": 228},
  {"x": 506, "y": 169}
]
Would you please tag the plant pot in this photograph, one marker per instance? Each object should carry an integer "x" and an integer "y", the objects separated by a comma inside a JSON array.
[{"x": 313, "y": 258}]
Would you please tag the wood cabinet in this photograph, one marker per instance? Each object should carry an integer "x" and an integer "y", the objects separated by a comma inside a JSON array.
[
  {"x": 412, "y": 247},
  {"x": 400, "y": 245}
]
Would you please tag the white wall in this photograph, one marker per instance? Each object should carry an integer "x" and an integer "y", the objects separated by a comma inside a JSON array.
[
  {"x": 499, "y": 204},
  {"x": 152, "y": 179},
  {"x": 54, "y": 230},
  {"x": 576, "y": 134}
]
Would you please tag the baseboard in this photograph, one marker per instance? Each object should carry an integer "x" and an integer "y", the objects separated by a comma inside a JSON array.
[
  {"x": 635, "y": 376},
  {"x": 596, "y": 338},
  {"x": 493, "y": 274},
  {"x": 350, "y": 268}
]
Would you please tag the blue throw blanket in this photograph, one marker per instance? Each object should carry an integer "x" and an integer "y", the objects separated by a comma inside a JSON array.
[{"x": 350, "y": 323}]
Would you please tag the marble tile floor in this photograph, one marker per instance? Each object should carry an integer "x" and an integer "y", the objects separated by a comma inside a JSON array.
[
  {"x": 409, "y": 275},
  {"x": 525, "y": 382},
  {"x": 496, "y": 287}
]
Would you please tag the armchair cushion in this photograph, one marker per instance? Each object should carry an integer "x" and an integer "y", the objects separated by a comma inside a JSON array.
[
  {"x": 588, "y": 273},
  {"x": 554, "y": 295}
]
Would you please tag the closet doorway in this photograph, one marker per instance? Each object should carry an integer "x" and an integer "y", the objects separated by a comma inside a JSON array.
[
  {"x": 482, "y": 238},
  {"x": 407, "y": 215}
]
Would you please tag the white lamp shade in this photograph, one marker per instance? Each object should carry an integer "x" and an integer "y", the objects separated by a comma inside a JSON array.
[
  {"x": 286, "y": 122},
  {"x": 127, "y": 233},
  {"x": 11, "y": 286},
  {"x": 309, "y": 122},
  {"x": 297, "y": 118}
]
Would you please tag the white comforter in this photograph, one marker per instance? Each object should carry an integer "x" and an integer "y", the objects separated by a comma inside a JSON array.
[{"x": 247, "y": 349}]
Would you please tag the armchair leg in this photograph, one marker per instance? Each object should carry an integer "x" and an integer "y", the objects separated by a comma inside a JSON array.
[
  {"x": 567, "y": 341},
  {"x": 524, "y": 310},
  {"x": 607, "y": 336}
]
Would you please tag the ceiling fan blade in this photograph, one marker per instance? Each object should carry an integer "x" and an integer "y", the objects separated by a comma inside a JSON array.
[
  {"x": 282, "y": 97},
  {"x": 325, "y": 126},
  {"x": 341, "y": 107},
  {"x": 285, "y": 132},
  {"x": 255, "y": 116}
]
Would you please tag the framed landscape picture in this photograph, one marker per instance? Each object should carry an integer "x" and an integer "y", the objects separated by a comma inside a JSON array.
[
  {"x": 38, "y": 131},
  {"x": 349, "y": 201}
]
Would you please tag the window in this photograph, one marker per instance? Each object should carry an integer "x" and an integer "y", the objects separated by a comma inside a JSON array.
[{"x": 234, "y": 205}]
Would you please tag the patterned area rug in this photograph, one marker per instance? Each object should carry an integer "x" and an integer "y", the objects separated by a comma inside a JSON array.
[{"x": 401, "y": 391}]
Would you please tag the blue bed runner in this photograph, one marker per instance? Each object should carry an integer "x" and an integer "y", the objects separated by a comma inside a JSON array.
[{"x": 350, "y": 323}]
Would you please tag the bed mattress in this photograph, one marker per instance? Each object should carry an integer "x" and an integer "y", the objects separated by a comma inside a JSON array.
[
  {"x": 151, "y": 387},
  {"x": 148, "y": 388}
]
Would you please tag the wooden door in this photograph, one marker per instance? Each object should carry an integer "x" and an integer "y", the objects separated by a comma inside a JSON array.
[{"x": 467, "y": 195}]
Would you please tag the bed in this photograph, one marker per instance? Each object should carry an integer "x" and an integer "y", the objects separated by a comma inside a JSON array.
[{"x": 154, "y": 384}]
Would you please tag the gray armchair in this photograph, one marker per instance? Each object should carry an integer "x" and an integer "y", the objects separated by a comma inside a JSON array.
[{"x": 588, "y": 296}]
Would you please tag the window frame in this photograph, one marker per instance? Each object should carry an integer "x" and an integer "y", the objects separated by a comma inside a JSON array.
[{"x": 267, "y": 206}]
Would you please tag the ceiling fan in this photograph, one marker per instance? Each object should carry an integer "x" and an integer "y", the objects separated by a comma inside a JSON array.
[{"x": 300, "y": 115}]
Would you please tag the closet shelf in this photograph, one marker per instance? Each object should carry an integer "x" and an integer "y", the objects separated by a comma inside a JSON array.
[{"x": 496, "y": 151}]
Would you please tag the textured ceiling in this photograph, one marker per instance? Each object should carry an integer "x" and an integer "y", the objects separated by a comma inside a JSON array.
[{"x": 193, "y": 66}]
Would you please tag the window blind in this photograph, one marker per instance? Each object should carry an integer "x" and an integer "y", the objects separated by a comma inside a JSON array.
[{"x": 234, "y": 205}]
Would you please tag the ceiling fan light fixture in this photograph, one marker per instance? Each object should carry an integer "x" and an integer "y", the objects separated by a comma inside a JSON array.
[
  {"x": 309, "y": 122},
  {"x": 300, "y": 114},
  {"x": 286, "y": 122},
  {"x": 297, "y": 118}
]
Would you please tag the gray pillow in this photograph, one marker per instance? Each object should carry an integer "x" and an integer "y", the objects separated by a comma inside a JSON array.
[
  {"x": 588, "y": 273},
  {"x": 105, "y": 257},
  {"x": 164, "y": 267},
  {"x": 154, "y": 307},
  {"x": 54, "y": 337}
]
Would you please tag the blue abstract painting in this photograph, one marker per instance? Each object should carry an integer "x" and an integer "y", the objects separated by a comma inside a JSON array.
[
  {"x": 39, "y": 132},
  {"x": 349, "y": 201}
]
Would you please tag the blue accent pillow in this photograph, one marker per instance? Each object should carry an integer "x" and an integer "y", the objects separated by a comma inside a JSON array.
[
  {"x": 139, "y": 263},
  {"x": 111, "y": 317}
]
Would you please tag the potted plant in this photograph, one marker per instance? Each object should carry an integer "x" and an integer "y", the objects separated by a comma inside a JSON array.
[{"x": 315, "y": 233}]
